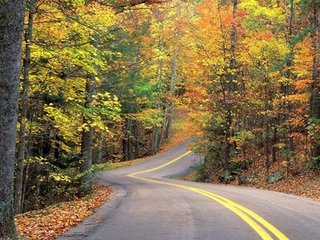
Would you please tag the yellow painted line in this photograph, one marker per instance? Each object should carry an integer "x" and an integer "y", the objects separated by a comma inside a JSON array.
[
  {"x": 244, "y": 213},
  {"x": 161, "y": 166},
  {"x": 254, "y": 215}
]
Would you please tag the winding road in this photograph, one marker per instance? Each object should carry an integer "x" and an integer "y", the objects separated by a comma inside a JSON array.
[{"x": 148, "y": 204}]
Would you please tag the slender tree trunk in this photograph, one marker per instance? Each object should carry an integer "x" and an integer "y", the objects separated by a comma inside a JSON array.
[
  {"x": 315, "y": 88},
  {"x": 155, "y": 142},
  {"x": 27, "y": 166},
  {"x": 136, "y": 135},
  {"x": 168, "y": 128},
  {"x": 267, "y": 148},
  {"x": 87, "y": 134},
  {"x": 274, "y": 142},
  {"x": 173, "y": 79},
  {"x": 127, "y": 140},
  {"x": 101, "y": 147},
  {"x": 286, "y": 89},
  {"x": 11, "y": 30},
  {"x": 86, "y": 147},
  {"x": 160, "y": 85},
  {"x": 231, "y": 78},
  {"x": 233, "y": 47},
  {"x": 267, "y": 108},
  {"x": 21, "y": 146}
]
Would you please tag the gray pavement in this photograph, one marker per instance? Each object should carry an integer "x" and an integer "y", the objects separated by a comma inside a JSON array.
[{"x": 143, "y": 210}]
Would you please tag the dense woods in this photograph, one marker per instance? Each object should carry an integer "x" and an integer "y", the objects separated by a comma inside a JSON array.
[
  {"x": 96, "y": 86},
  {"x": 255, "y": 83},
  {"x": 99, "y": 81}
]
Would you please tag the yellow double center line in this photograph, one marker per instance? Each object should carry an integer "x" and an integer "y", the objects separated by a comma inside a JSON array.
[{"x": 254, "y": 220}]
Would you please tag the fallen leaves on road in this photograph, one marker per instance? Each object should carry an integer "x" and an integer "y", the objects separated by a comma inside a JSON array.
[{"x": 48, "y": 223}]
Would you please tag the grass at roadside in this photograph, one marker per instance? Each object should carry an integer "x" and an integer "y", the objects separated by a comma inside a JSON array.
[
  {"x": 192, "y": 176},
  {"x": 114, "y": 165}
]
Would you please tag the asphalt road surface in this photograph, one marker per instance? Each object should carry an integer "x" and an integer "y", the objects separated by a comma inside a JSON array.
[{"x": 149, "y": 204}]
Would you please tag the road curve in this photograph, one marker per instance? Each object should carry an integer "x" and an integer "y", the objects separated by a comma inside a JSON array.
[{"x": 149, "y": 205}]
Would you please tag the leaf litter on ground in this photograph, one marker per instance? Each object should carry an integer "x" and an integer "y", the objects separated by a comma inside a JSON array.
[{"x": 49, "y": 223}]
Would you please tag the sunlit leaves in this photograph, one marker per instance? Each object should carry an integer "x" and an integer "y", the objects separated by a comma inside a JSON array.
[
  {"x": 261, "y": 17},
  {"x": 150, "y": 118}
]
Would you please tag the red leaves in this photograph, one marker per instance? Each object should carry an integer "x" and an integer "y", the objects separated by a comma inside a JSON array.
[
  {"x": 265, "y": 35},
  {"x": 302, "y": 85},
  {"x": 51, "y": 222}
]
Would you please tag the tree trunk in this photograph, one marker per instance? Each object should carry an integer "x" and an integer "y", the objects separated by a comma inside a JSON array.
[
  {"x": 127, "y": 140},
  {"x": 21, "y": 147},
  {"x": 274, "y": 142},
  {"x": 168, "y": 128},
  {"x": 87, "y": 134},
  {"x": 155, "y": 142},
  {"x": 231, "y": 78},
  {"x": 136, "y": 139},
  {"x": 101, "y": 146},
  {"x": 267, "y": 151},
  {"x": 267, "y": 108},
  {"x": 286, "y": 89},
  {"x": 27, "y": 167},
  {"x": 173, "y": 79},
  {"x": 315, "y": 91},
  {"x": 86, "y": 147},
  {"x": 11, "y": 30}
]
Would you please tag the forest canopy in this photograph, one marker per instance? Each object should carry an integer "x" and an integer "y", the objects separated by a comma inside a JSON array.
[{"x": 100, "y": 82}]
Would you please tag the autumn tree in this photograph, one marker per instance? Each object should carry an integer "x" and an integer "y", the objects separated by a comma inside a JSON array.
[
  {"x": 256, "y": 62},
  {"x": 65, "y": 59},
  {"x": 11, "y": 30},
  {"x": 315, "y": 86},
  {"x": 21, "y": 147}
]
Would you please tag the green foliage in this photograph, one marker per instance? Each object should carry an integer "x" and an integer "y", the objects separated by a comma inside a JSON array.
[
  {"x": 243, "y": 137},
  {"x": 93, "y": 69},
  {"x": 245, "y": 75},
  {"x": 301, "y": 35},
  {"x": 313, "y": 128},
  {"x": 261, "y": 16},
  {"x": 47, "y": 183}
]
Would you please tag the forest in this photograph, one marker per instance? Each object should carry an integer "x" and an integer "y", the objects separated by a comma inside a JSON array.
[{"x": 101, "y": 80}]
